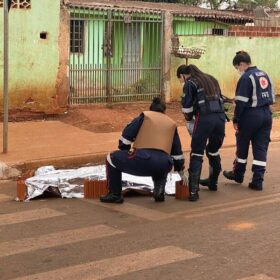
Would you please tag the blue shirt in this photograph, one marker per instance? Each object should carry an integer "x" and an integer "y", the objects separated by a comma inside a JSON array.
[{"x": 254, "y": 89}]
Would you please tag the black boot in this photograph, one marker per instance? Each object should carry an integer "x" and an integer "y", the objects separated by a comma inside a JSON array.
[
  {"x": 231, "y": 176},
  {"x": 255, "y": 187},
  {"x": 212, "y": 181},
  {"x": 207, "y": 183},
  {"x": 111, "y": 198},
  {"x": 193, "y": 185},
  {"x": 159, "y": 189}
]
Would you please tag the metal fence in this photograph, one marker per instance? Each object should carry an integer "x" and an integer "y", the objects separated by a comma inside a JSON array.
[{"x": 115, "y": 55}]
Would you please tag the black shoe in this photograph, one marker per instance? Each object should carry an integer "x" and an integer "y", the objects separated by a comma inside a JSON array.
[
  {"x": 193, "y": 196},
  {"x": 255, "y": 187},
  {"x": 206, "y": 183},
  {"x": 159, "y": 198},
  {"x": 159, "y": 190},
  {"x": 231, "y": 176},
  {"x": 111, "y": 198}
]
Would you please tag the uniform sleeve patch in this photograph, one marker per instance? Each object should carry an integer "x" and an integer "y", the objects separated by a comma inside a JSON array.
[{"x": 263, "y": 82}]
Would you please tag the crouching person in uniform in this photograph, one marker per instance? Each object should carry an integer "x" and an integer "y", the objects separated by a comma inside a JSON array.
[
  {"x": 156, "y": 149},
  {"x": 252, "y": 120},
  {"x": 202, "y": 106}
]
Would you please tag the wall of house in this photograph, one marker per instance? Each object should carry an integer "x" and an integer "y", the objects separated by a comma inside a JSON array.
[
  {"x": 37, "y": 67},
  {"x": 220, "y": 50},
  {"x": 189, "y": 26}
]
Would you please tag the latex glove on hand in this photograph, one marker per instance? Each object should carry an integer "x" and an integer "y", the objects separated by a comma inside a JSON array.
[
  {"x": 183, "y": 176},
  {"x": 190, "y": 126}
]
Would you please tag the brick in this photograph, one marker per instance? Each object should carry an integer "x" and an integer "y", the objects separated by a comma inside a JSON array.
[
  {"x": 181, "y": 191},
  {"x": 95, "y": 188},
  {"x": 21, "y": 190}
]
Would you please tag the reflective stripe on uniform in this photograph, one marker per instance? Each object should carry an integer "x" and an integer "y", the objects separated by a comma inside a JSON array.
[
  {"x": 110, "y": 161},
  {"x": 254, "y": 95},
  {"x": 241, "y": 98},
  {"x": 198, "y": 155},
  {"x": 187, "y": 110},
  {"x": 240, "y": 160},
  {"x": 201, "y": 101},
  {"x": 177, "y": 157},
  {"x": 213, "y": 154},
  {"x": 125, "y": 141},
  {"x": 260, "y": 163}
]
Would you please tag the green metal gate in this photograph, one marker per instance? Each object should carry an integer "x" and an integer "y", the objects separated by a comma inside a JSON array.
[{"x": 115, "y": 55}]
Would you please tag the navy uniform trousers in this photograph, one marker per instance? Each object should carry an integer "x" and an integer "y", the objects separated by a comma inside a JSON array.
[
  {"x": 142, "y": 162},
  {"x": 255, "y": 127},
  {"x": 209, "y": 133}
]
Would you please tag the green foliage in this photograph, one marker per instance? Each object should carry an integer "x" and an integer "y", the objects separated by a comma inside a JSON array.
[
  {"x": 216, "y": 4},
  {"x": 188, "y": 2},
  {"x": 250, "y": 5}
]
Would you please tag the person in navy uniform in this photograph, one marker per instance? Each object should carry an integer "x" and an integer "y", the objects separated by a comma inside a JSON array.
[
  {"x": 202, "y": 106},
  {"x": 149, "y": 146},
  {"x": 252, "y": 120}
]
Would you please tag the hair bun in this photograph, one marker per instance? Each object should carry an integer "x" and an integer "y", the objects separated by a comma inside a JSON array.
[
  {"x": 241, "y": 52},
  {"x": 156, "y": 100}
]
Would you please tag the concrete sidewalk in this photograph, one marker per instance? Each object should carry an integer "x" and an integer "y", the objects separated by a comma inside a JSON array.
[{"x": 38, "y": 143}]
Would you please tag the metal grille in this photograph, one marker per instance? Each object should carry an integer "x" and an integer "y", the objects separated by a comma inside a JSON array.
[
  {"x": 21, "y": 4},
  {"x": 115, "y": 56}
]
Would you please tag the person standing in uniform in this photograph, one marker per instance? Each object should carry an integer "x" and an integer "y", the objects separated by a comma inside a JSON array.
[
  {"x": 156, "y": 148},
  {"x": 252, "y": 120},
  {"x": 202, "y": 106}
]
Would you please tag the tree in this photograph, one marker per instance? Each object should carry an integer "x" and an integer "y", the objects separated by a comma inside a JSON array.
[
  {"x": 218, "y": 4},
  {"x": 250, "y": 5}
]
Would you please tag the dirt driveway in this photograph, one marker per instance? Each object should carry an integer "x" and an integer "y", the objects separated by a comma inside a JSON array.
[{"x": 99, "y": 118}]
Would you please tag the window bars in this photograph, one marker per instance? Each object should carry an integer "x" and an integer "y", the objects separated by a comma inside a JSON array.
[{"x": 18, "y": 4}]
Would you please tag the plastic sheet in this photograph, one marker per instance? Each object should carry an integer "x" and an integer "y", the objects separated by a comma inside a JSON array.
[{"x": 69, "y": 182}]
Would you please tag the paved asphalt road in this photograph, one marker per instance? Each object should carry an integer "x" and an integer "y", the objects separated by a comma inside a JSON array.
[{"x": 228, "y": 235}]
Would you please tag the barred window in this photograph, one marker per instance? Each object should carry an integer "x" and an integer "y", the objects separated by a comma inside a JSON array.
[
  {"x": 77, "y": 28},
  {"x": 218, "y": 31},
  {"x": 19, "y": 4}
]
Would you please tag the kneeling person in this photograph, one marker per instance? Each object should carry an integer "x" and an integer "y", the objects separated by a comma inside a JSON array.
[{"x": 156, "y": 148}]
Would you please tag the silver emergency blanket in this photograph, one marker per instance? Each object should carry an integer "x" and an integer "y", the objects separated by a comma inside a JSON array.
[{"x": 69, "y": 183}]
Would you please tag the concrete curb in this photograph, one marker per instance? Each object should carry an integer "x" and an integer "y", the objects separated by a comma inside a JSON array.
[
  {"x": 72, "y": 161},
  {"x": 8, "y": 172}
]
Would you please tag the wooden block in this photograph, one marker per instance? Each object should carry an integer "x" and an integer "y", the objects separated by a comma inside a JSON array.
[
  {"x": 21, "y": 190},
  {"x": 181, "y": 191},
  {"x": 95, "y": 188}
]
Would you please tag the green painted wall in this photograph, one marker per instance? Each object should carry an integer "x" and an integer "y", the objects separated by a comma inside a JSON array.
[
  {"x": 33, "y": 62},
  {"x": 188, "y": 26},
  {"x": 217, "y": 59}
]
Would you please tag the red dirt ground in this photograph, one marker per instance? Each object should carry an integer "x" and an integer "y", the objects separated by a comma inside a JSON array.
[{"x": 100, "y": 118}]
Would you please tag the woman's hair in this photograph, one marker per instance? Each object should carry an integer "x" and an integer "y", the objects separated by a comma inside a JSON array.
[
  {"x": 241, "y": 56},
  {"x": 158, "y": 105},
  {"x": 207, "y": 82}
]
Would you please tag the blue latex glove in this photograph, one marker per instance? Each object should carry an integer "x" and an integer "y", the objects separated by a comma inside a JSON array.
[
  {"x": 183, "y": 176},
  {"x": 190, "y": 126}
]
